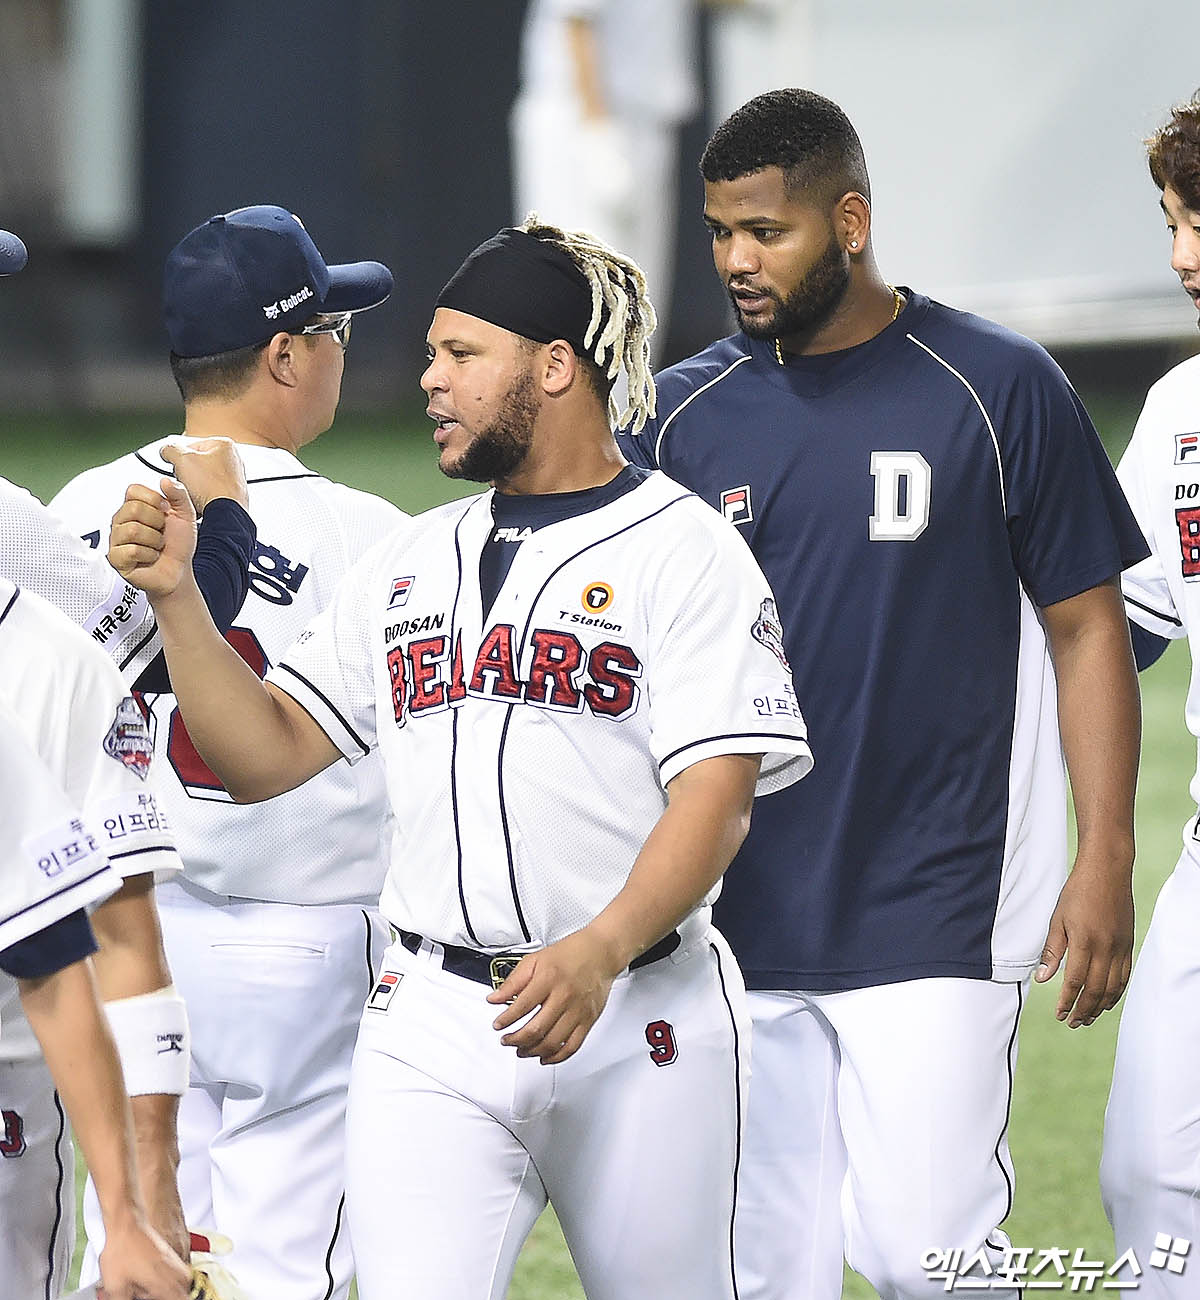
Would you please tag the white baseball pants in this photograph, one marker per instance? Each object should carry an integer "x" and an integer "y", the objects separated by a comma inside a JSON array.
[
  {"x": 455, "y": 1144},
  {"x": 1150, "y": 1166},
  {"x": 37, "y": 1184},
  {"x": 274, "y": 993},
  {"x": 877, "y": 1131}
]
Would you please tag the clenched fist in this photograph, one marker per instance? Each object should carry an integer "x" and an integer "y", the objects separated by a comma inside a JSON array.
[{"x": 153, "y": 538}]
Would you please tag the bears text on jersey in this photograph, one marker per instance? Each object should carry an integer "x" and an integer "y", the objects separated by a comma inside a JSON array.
[{"x": 562, "y": 674}]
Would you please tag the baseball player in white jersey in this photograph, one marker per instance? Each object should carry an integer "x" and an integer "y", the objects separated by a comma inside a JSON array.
[
  {"x": 572, "y": 680},
  {"x": 51, "y": 868},
  {"x": 276, "y": 912},
  {"x": 41, "y": 556},
  {"x": 1150, "y": 1168},
  {"x": 73, "y": 710}
]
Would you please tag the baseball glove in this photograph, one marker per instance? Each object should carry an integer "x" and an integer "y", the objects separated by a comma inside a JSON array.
[{"x": 211, "y": 1280}]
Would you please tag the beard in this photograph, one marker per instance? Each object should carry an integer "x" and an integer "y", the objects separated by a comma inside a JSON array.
[
  {"x": 810, "y": 304},
  {"x": 497, "y": 452}
]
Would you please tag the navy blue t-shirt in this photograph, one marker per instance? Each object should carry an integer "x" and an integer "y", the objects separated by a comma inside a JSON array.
[{"x": 911, "y": 501}]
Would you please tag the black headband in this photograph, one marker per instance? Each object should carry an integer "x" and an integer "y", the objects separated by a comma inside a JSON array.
[{"x": 524, "y": 285}]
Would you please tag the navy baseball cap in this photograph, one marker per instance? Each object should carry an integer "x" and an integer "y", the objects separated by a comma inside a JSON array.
[
  {"x": 12, "y": 253},
  {"x": 248, "y": 274}
]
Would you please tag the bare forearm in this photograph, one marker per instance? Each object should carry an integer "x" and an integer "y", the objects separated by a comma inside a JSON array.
[
  {"x": 684, "y": 856},
  {"x": 236, "y": 724},
  {"x": 1100, "y": 721},
  {"x": 64, "y": 1011},
  {"x": 131, "y": 960}
]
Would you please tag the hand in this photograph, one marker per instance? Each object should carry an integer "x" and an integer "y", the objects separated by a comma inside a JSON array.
[
  {"x": 209, "y": 468},
  {"x": 136, "y": 1264},
  {"x": 1093, "y": 925},
  {"x": 570, "y": 981},
  {"x": 153, "y": 538}
]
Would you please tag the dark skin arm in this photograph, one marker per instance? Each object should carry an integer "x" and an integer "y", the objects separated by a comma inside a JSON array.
[{"x": 1099, "y": 711}]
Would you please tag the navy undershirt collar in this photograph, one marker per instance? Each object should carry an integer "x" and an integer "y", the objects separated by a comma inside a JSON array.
[{"x": 516, "y": 518}]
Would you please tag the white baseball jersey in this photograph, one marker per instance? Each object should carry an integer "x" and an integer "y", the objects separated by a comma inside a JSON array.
[
  {"x": 75, "y": 713},
  {"x": 1160, "y": 472},
  {"x": 50, "y": 862},
  {"x": 42, "y": 555},
  {"x": 528, "y": 747},
  {"x": 1151, "y": 1154},
  {"x": 320, "y": 844}
]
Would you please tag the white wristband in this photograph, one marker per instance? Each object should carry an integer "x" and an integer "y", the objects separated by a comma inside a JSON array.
[{"x": 151, "y": 1031}]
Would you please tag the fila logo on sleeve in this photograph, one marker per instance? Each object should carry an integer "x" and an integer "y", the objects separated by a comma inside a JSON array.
[
  {"x": 1187, "y": 448},
  {"x": 735, "y": 504}
]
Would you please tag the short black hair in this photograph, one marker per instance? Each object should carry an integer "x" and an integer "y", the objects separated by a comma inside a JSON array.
[
  {"x": 1173, "y": 153},
  {"x": 222, "y": 376},
  {"x": 804, "y": 134}
]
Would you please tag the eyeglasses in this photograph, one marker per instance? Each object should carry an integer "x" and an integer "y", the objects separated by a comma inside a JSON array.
[{"x": 338, "y": 326}]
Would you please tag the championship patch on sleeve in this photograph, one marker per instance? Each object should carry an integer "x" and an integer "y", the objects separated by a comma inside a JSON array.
[
  {"x": 381, "y": 995},
  {"x": 768, "y": 630},
  {"x": 128, "y": 740}
]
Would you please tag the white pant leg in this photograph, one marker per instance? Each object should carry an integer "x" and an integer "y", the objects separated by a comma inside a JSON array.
[
  {"x": 440, "y": 1193},
  {"x": 639, "y": 1148},
  {"x": 923, "y": 1100},
  {"x": 274, "y": 994},
  {"x": 789, "y": 1220},
  {"x": 1150, "y": 1166},
  {"x": 37, "y": 1184}
]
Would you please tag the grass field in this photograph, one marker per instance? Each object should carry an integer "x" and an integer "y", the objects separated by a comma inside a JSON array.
[{"x": 1063, "y": 1076}]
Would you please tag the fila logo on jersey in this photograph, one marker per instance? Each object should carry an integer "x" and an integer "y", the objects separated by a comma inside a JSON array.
[
  {"x": 561, "y": 674},
  {"x": 127, "y": 740},
  {"x": 735, "y": 504},
  {"x": 597, "y": 596},
  {"x": 512, "y": 534},
  {"x": 401, "y": 587},
  {"x": 381, "y": 995},
  {"x": 1187, "y": 448}
]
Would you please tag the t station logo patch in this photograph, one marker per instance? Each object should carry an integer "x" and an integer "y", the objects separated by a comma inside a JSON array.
[
  {"x": 735, "y": 504},
  {"x": 596, "y": 597}
]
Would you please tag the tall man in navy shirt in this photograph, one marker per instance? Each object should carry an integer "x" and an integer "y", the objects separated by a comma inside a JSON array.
[{"x": 944, "y": 533}]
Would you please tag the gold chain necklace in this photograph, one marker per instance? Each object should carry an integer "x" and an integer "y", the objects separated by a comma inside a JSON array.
[{"x": 897, "y": 303}]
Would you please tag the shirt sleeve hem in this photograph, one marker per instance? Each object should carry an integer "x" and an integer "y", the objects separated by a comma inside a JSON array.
[
  {"x": 785, "y": 758},
  {"x": 321, "y": 710}
]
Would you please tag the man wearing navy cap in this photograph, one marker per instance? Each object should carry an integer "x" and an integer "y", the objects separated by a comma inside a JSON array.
[{"x": 272, "y": 933}]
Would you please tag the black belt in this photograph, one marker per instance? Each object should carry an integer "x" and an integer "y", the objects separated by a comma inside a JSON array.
[{"x": 494, "y": 969}]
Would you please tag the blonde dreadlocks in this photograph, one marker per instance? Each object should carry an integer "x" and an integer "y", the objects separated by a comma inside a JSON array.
[{"x": 623, "y": 317}]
